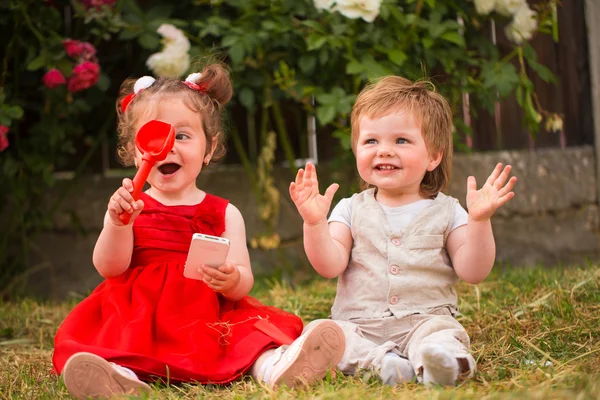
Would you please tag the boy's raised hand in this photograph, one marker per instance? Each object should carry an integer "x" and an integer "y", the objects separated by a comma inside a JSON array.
[
  {"x": 483, "y": 203},
  {"x": 312, "y": 206}
]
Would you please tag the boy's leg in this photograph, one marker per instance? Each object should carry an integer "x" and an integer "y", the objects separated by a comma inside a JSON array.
[
  {"x": 87, "y": 375},
  {"x": 367, "y": 348},
  {"x": 438, "y": 348}
]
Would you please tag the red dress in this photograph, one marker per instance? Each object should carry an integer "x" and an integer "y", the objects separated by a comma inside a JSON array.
[{"x": 160, "y": 324}]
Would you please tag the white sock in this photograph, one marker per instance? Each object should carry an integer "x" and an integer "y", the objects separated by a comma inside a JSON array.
[
  {"x": 122, "y": 369},
  {"x": 395, "y": 369},
  {"x": 266, "y": 368},
  {"x": 440, "y": 367}
]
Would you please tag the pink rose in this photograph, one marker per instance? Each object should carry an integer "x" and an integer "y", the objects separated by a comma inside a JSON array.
[
  {"x": 3, "y": 139},
  {"x": 85, "y": 75},
  {"x": 79, "y": 50},
  {"x": 53, "y": 78}
]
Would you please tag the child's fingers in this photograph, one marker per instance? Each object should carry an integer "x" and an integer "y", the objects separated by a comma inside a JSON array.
[
  {"x": 504, "y": 199},
  {"x": 128, "y": 184},
  {"x": 300, "y": 177},
  {"x": 330, "y": 192},
  {"x": 471, "y": 184},
  {"x": 508, "y": 187},
  {"x": 502, "y": 177},
  {"x": 293, "y": 191},
  {"x": 494, "y": 175},
  {"x": 310, "y": 171}
]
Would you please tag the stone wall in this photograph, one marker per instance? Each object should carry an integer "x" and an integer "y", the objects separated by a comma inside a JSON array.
[{"x": 553, "y": 219}]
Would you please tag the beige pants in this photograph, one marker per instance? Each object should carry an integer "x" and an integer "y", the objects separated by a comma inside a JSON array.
[{"x": 367, "y": 341}]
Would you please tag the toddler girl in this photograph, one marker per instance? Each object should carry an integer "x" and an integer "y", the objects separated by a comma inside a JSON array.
[
  {"x": 148, "y": 321},
  {"x": 399, "y": 247}
]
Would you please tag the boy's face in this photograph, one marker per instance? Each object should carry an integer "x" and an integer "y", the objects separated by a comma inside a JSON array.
[{"x": 391, "y": 154}]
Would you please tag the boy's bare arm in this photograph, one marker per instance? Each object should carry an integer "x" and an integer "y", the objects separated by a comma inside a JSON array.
[
  {"x": 472, "y": 250},
  {"x": 327, "y": 247}
]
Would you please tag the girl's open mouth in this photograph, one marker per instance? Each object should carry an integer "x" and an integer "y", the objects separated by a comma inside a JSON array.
[{"x": 168, "y": 169}]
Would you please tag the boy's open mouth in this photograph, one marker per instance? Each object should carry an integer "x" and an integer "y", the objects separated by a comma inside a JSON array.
[{"x": 168, "y": 169}]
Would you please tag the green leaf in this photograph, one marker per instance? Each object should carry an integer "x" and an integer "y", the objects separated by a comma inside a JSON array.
[
  {"x": 326, "y": 114},
  {"x": 315, "y": 42},
  {"x": 161, "y": 11},
  {"x": 454, "y": 37},
  {"x": 247, "y": 98},
  {"x": 14, "y": 112},
  {"x": 313, "y": 24},
  {"x": 37, "y": 63},
  {"x": 354, "y": 67},
  {"x": 149, "y": 41},
  {"x": 65, "y": 66},
  {"x": 229, "y": 41},
  {"x": 103, "y": 82},
  {"x": 323, "y": 56},
  {"x": 128, "y": 34},
  {"x": 398, "y": 57},
  {"x": 502, "y": 77},
  {"x": 544, "y": 72},
  {"x": 307, "y": 63},
  {"x": 237, "y": 53}
]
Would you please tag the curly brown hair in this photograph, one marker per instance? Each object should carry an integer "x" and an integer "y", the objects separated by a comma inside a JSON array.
[
  {"x": 215, "y": 78},
  {"x": 430, "y": 110}
]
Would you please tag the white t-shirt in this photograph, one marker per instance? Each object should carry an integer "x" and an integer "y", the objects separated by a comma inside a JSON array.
[{"x": 398, "y": 217}]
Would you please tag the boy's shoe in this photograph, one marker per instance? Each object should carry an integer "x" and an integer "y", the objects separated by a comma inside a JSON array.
[
  {"x": 87, "y": 375},
  {"x": 309, "y": 357}
]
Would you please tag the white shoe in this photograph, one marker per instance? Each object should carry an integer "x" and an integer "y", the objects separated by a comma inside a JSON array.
[
  {"x": 308, "y": 358},
  {"x": 87, "y": 375}
]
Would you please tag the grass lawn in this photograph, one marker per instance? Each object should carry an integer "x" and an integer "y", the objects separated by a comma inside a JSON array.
[{"x": 535, "y": 335}]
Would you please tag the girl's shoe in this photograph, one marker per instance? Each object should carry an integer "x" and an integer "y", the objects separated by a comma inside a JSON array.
[
  {"x": 87, "y": 375},
  {"x": 308, "y": 358}
]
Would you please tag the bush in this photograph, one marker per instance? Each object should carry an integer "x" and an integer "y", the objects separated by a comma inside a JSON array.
[{"x": 64, "y": 61}]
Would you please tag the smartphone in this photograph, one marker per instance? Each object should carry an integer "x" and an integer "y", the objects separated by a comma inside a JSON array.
[{"x": 205, "y": 249}]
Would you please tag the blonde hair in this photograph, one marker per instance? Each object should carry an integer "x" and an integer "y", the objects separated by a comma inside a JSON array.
[
  {"x": 215, "y": 77},
  {"x": 431, "y": 112}
]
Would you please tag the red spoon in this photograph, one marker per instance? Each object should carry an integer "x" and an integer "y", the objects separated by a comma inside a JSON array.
[{"x": 154, "y": 140}]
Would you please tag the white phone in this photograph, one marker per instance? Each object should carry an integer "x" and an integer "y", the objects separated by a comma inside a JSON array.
[{"x": 205, "y": 249}]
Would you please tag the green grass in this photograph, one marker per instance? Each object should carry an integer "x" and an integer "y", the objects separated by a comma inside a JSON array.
[{"x": 535, "y": 335}]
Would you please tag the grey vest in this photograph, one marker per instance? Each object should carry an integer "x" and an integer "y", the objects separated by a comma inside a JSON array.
[{"x": 403, "y": 272}]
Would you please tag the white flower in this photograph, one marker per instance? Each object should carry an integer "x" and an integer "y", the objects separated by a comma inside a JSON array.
[
  {"x": 174, "y": 59},
  {"x": 368, "y": 10},
  {"x": 174, "y": 39},
  {"x": 353, "y": 9},
  {"x": 484, "y": 7},
  {"x": 522, "y": 26},
  {"x": 509, "y": 7},
  {"x": 170, "y": 65},
  {"x": 554, "y": 123}
]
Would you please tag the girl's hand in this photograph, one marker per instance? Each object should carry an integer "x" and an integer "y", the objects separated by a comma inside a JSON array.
[
  {"x": 223, "y": 279},
  {"x": 483, "y": 203},
  {"x": 122, "y": 201},
  {"x": 312, "y": 206}
]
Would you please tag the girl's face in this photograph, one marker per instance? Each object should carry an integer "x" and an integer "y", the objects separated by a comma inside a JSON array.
[
  {"x": 392, "y": 155},
  {"x": 175, "y": 176}
]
